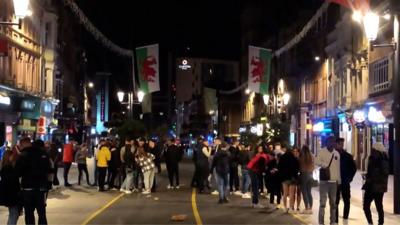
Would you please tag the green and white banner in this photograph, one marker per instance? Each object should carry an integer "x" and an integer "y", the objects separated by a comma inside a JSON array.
[
  {"x": 148, "y": 67},
  {"x": 259, "y": 69}
]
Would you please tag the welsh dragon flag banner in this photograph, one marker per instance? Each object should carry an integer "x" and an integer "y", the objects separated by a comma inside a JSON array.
[
  {"x": 259, "y": 69},
  {"x": 148, "y": 67}
]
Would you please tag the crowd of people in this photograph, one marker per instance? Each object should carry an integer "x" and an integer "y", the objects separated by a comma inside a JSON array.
[
  {"x": 286, "y": 174},
  {"x": 29, "y": 171}
]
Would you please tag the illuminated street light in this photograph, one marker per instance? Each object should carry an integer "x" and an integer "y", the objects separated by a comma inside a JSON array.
[
  {"x": 266, "y": 99},
  {"x": 387, "y": 16},
  {"x": 90, "y": 85},
  {"x": 247, "y": 91},
  {"x": 21, "y": 8},
  {"x": 140, "y": 95},
  {"x": 286, "y": 98},
  {"x": 317, "y": 58},
  {"x": 371, "y": 25},
  {"x": 120, "y": 95},
  {"x": 357, "y": 16}
]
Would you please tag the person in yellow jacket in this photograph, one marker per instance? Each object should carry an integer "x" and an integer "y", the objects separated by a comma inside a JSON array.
[{"x": 103, "y": 156}]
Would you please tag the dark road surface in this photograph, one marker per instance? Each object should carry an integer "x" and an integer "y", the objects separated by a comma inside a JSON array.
[{"x": 158, "y": 208}]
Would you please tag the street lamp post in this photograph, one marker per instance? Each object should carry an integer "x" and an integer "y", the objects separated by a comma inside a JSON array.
[
  {"x": 21, "y": 9},
  {"x": 130, "y": 102}
]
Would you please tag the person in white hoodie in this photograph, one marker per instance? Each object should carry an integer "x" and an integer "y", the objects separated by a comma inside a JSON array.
[{"x": 328, "y": 158}]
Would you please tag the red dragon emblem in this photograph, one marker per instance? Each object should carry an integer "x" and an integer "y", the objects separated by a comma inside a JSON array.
[
  {"x": 147, "y": 71},
  {"x": 258, "y": 69}
]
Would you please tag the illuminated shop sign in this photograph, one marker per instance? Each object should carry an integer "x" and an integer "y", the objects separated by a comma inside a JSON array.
[
  {"x": 185, "y": 65},
  {"x": 324, "y": 126},
  {"x": 27, "y": 104},
  {"x": 359, "y": 116},
  {"x": 375, "y": 116},
  {"x": 242, "y": 129},
  {"x": 5, "y": 100}
]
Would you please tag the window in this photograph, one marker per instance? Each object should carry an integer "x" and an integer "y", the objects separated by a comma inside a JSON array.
[{"x": 379, "y": 76}]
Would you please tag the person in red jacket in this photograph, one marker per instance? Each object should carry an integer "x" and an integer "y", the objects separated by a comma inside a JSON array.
[
  {"x": 68, "y": 157},
  {"x": 256, "y": 167}
]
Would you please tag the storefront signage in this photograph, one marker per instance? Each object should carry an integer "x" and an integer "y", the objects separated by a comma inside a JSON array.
[
  {"x": 185, "y": 65},
  {"x": 324, "y": 126},
  {"x": 309, "y": 126},
  {"x": 242, "y": 129},
  {"x": 260, "y": 129},
  {"x": 375, "y": 116},
  {"x": 42, "y": 125},
  {"x": 5, "y": 100},
  {"x": 27, "y": 105},
  {"x": 318, "y": 127},
  {"x": 359, "y": 116}
]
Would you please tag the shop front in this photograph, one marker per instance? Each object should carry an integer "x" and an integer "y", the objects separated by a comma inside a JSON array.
[
  {"x": 46, "y": 123},
  {"x": 8, "y": 117},
  {"x": 29, "y": 110},
  {"x": 372, "y": 124}
]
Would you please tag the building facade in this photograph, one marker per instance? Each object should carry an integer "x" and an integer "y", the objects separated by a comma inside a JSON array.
[{"x": 27, "y": 72}]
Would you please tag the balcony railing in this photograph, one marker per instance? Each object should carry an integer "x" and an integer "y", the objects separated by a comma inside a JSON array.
[{"x": 379, "y": 76}]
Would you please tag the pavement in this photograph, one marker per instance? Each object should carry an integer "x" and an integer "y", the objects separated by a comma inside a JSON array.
[{"x": 85, "y": 205}]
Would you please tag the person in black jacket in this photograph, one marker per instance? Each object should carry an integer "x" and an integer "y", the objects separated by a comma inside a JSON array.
[
  {"x": 221, "y": 164},
  {"x": 172, "y": 157},
  {"x": 33, "y": 166},
  {"x": 233, "y": 168},
  {"x": 114, "y": 166},
  {"x": 10, "y": 191},
  {"x": 376, "y": 181},
  {"x": 348, "y": 169},
  {"x": 288, "y": 168}
]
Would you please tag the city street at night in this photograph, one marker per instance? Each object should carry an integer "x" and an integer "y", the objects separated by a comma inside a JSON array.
[{"x": 200, "y": 112}]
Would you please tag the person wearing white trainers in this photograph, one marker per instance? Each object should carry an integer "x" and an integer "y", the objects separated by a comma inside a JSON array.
[
  {"x": 244, "y": 159},
  {"x": 329, "y": 160},
  {"x": 146, "y": 163}
]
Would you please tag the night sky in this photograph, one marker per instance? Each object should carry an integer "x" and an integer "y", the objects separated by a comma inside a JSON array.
[{"x": 210, "y": 28}]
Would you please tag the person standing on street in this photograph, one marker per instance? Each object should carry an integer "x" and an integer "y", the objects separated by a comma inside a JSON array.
[
  {"x": 348, "y": 169},
  {"x": 328, "y": 159},
  {"x": 80, "y": 158},
  {"x": 113, "y": 166},
  {"x": 376, "y": 181},
  {"x": 217, "y": 147},
  {"x": 33, "y": 166},
  {"x": 55, "y": 156},
  {"x": 234, "y": 168},
  {"x": 244, "y": 159},
  {"x": 172, "y": 156},
  {"x": 10, "y": 190},
  {"x": 152, "y": 148},
  {"x": 103, "y": 157},
  {"x": 289, "y": 168},
  {"x": 68, "y": 158},
  {"x": 221, "y": 165},
  {"x": 306, "y": 161},
  {"x": 128, "y": 159},
  {"x": 146, "y": 163},
  {"x": 203, "y": 155},
  {"x": 256, "y": 167}
]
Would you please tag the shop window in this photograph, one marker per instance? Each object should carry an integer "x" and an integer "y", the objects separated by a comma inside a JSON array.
[{"x": 379, "y": 76}]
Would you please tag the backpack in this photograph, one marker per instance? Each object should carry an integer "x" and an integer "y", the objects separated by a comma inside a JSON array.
[{"x": 129, "y": 156}]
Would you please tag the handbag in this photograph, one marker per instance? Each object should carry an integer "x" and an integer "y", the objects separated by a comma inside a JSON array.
[{"x": 324, "y": 173}]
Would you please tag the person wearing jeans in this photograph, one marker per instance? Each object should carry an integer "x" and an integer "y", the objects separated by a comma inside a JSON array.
[
  {"x": 80, "y": 158},
  {"x": 306, "y": 160},
  {"x": 103, "y": 157},
  {"x": 376, "y": 181},
  {"x": 221, "y": 165},
  {"x": 146, "y": 163},
  {"x": 244, "y": 159},
  {"x": 328, "y": 158},
  {"x": 348, "y": 169},
  {"x": 257, "y": 167}
]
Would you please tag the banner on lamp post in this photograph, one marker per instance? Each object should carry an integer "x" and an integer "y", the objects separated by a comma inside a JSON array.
[
  {"x": 148, "y": 68},
  {"x": 259, "y": 69}
]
